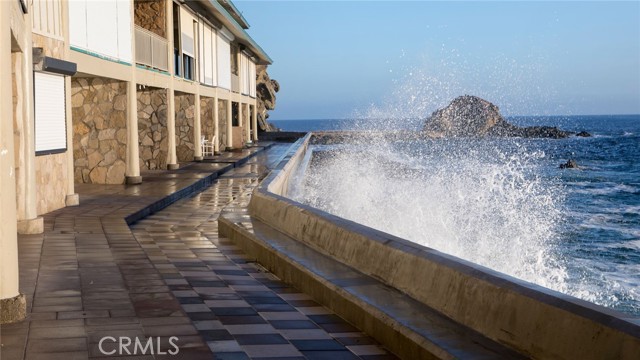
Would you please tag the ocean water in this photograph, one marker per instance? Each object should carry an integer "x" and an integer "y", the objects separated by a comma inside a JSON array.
[{"x": 502, "y": 203}]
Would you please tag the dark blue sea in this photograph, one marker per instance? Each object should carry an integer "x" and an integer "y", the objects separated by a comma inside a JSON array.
[{"x": 576, "y": 231}]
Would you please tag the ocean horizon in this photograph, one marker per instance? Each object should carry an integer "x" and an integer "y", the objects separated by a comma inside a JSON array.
[{"x": 571, "y": 121}]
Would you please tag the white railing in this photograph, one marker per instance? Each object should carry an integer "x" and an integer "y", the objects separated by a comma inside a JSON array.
[{"x": 151, "y": 49}]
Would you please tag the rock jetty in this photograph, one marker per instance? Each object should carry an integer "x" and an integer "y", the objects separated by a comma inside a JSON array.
[{"x": 471, "y": 116}]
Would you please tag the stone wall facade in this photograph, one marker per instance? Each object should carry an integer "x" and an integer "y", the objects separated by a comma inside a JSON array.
[
  {"x": 99, "y": 108},
  {"x": 51, "y": 182},
  {"x": 222, "y": 126},
  {"x": 185, "y": 117},
  {"x": 206, "y": 116},
  {"x": 150, "y": 15},
  {"x": 152, "y": 128}
]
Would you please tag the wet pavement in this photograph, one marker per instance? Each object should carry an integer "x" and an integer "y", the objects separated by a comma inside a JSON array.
[{"x": 93, "y": 282}]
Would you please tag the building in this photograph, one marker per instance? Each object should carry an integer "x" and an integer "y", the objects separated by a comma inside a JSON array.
[{"x": 101, "y": 90}]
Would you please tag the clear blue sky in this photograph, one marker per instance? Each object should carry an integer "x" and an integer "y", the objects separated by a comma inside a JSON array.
[{"x": 335, "y": 59}]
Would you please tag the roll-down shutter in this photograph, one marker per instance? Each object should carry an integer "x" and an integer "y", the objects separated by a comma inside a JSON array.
[{"x": 50, "y": 117}]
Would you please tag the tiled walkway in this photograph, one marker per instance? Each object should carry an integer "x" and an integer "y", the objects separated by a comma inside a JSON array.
[{"x": 89, "y": 277}]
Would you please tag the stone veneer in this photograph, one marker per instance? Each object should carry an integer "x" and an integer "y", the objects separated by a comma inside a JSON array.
[
  {"x": 99, "y": 130},
  {"x": 51, "y": 182},
  {"x": 152, "y": 128},
  {"x": 150, "y": 15},
  {"x": 206, "y": 116},
  {"x": 185, "y": 117},
  {"x": 222, "y": 124}
]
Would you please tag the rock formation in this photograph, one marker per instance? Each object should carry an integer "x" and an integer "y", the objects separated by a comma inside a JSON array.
[
  {"x": 472, "y": 116},
  {"x": 570, "y": 164},
  {"x": 266, "y": 90}
]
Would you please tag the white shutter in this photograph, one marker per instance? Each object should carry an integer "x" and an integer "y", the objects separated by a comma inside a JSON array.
[
  {"x": 252, "y": 77},
  {"x": 224, "y": 61},
  {"x": 124, "y": 30},
  {"x": 213, "y": 66},
  {"x": 208, "y": 57},
  {"x": 78, "y": 23},
  {"x": 102, "y": 37},
  {"x": 186, "y": 30},
  {"x": 50, "y": 117},
  {"x": 202, "y": 29}
]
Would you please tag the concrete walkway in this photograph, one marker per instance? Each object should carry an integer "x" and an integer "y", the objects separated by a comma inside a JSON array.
[{"x": 90, "y": 276}]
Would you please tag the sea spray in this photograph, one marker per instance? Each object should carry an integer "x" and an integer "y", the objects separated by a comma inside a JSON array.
[{"x": 480, "y": 203}]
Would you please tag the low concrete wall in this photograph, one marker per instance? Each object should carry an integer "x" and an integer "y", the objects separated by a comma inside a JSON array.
[{"x": 532, "y": 320}]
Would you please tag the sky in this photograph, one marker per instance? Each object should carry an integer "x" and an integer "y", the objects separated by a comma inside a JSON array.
[{"x": 343, "y": 59}]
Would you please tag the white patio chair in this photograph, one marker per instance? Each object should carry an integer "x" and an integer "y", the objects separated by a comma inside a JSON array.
[{"x": 208, "y": 146}]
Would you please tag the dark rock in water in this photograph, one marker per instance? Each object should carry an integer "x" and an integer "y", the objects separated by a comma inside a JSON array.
[
  {"x": 583, "y": 134},
  {"x": 465, "y": 116},
  {"x": 570, "y": 164},
  {"x": 472, "y": 116}
]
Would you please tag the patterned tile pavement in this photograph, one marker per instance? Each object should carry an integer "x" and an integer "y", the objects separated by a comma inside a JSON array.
[
  {"x": 240, "y": 309},
  {"x": 91, "y": 276}
]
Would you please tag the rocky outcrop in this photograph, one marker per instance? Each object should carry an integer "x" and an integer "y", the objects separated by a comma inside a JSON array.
[
  {"x": 472, "y": 116},
  {"x": 266, "y": 89},
  {"x": 570, "y": 164}
]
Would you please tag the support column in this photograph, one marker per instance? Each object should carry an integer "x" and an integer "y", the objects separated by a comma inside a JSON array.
[
  {"x": 172, "y": 159},
  {"x": 12, "y": 303},
  {"x": 229, "y": 125},
  {"x": 132, "y": 175},
  {"x": 27, "y": 213},
  {"x": 72, "y": 198},
  {"x": 247, "y": 124},
  {"x": 216, "y": 129},
  {"x": 254, "y": 122},
  {"x": 197, "y": 129},
  {"x": 240, "y": 123}
]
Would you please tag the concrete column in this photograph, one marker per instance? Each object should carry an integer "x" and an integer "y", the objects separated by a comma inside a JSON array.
[
  {"x": 132, "y": 173},
  {"x": 197, "y": 129},
  {"x": 254, "y": 122},
  {"x": 241, "y": 123},
  {"x": 133, "y": 152},
  {"x": 216, "y": 129},
  {"x": 72, "y": 199},
  {"x": 12, "y": 303},
  {"x": 172, "y": 159},
  {"x": 27, "y": 213},
  {"x": 229, "y": 125},
  {"x": 247, "y": 116}
]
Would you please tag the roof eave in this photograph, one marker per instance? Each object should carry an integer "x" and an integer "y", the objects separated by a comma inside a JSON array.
[{"x": 237, "y": 30}]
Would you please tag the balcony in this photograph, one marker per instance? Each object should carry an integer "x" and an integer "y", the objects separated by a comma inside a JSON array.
[{"x": 151, "y": 49}]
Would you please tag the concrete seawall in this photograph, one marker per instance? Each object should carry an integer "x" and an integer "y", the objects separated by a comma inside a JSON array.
[{"x": 531, "y": 320}]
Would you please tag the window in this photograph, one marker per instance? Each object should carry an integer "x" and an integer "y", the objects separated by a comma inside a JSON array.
[
  {"x": 234, "y": 60},
  {"x": 235, "y": 109},
  {"x": 50, "y": 113},
  {"x": 188, "y": 66}
]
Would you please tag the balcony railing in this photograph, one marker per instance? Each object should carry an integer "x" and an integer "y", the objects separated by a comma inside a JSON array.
[{"x": 151, "y": 49}]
